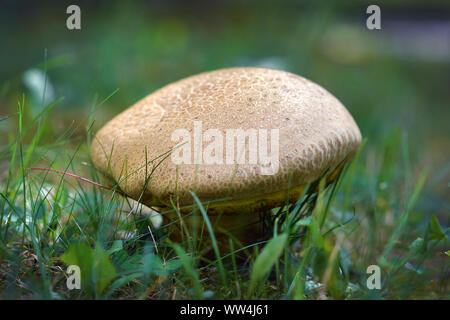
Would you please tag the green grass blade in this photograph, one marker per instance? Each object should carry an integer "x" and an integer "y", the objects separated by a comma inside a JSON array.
[{"x": 213, "y": 238}]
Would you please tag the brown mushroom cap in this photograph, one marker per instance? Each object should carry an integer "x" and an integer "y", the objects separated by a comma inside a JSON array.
[{"x": 316, "y": 134}]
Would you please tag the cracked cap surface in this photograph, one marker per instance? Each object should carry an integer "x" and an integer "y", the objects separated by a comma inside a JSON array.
[{"x": 316, "y": 133}]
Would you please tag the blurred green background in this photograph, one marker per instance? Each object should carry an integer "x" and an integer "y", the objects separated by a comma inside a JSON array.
[{"x": 394, "y": 81}]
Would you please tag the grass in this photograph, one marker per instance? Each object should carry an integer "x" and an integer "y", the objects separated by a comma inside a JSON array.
[
  {"x": 389, "y": 208},
  {"x": 320, "y": 247}
]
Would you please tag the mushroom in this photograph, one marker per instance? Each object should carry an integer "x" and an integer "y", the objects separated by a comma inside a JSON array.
[{"x": 241, "y": 139}]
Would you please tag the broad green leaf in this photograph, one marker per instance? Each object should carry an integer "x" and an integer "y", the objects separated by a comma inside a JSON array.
[
  {"x": 152, "y": 264},
  {"x": 122, "y": 281},
  {"x": 96, "y": 269},
  {"x": 416, "y": 247},
  {"x": 187, "y": 263},
  {"x": 132, "y": 264},
  {"x": 116, "y": 246},
  {"x": 173, "y": 264},
  {"x": 304, "y": 222},
  {"x": 266, "y": 260},
  {"x": 434, "y": 230}
]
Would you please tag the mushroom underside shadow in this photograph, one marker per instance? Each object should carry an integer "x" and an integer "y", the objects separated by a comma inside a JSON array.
[{"x": 246, "y": 224}]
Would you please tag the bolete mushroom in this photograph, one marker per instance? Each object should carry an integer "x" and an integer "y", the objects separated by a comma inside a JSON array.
[{"x": 240, "y": 138}]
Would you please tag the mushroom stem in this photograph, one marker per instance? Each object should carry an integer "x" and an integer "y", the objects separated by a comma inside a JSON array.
[{"x": 244, "y": 229}]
